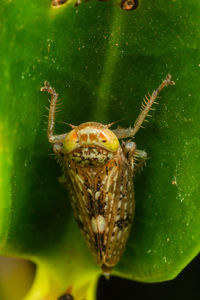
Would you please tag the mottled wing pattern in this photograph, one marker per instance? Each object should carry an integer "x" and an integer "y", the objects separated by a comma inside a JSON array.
[
  {"x": 119, "y": 210},
  {"x": 103, "y": 203},
  {"x": 79, "y": 187}
]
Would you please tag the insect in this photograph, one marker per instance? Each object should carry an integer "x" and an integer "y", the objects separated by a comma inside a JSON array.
[{"x": 98, "y": 172}]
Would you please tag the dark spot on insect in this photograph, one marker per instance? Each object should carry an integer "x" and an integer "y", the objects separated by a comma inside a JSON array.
[
  {"x": 90, "y": 206},
  {"x": 86, "y": 183},
  {"x": 104, "y": 248},
  {"x": 103, "y": 141},
  {"x": 96, "y": 242},
  {"x": 101, "y": 237},
  {"x": 101, "y": 244},
  {"x": 100, "y": 208},
  {"x": 66, "y": 297},
  {"x": 99, "y": 184},
  {"x": 58, "y": 3},
  {"x": 100, "y": 254},
  {"x": 122, "y": 222},
  {"x": 129, "y": 4},
  {"x": 119, "y": 223},
  {"x": 106, "y": 170}
]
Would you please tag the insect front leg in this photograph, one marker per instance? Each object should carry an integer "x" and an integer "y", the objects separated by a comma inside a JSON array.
[
  {"x": 129, "y": 149},
  {"x": 140, "y": 160},
  {"x": 51, "y": 119},
  {"x": 146, "y": 106},
  {"x": 135, "y": 157}
]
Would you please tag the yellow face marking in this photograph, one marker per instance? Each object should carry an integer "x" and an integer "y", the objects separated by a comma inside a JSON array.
[
  {"x": 71, "y": 141},
  {"x": 91, "y": 135},
  {"x": 109, "y": 140}
]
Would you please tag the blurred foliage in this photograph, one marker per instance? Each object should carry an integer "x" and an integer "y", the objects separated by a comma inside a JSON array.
[{"x": 16, "y": 278}]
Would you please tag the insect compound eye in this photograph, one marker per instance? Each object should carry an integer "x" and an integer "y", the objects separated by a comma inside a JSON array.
[
  {"x": 129, "y": 4},
  {"x": 103, "y": 137},
  {"x": 71, "y": 141},
  {"x": 108, "y": 140}
]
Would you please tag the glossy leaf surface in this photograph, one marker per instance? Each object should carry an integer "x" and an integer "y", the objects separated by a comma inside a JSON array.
[{"x": 102, "y": 61}]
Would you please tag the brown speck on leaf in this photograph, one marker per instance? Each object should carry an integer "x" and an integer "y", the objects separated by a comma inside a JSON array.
[
  {"x": 58, "y": 2},
  {"x": 129, "y": 4}
]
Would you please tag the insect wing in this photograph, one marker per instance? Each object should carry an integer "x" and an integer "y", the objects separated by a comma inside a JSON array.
[
  {"x": 119, "y": 210},
  {"x": 103, "y": 205}
]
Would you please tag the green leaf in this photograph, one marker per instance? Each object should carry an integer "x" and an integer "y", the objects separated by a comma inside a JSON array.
[{"x": 102, "y": 60}]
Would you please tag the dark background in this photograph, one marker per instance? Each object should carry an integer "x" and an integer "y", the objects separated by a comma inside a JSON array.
[{"x": 185, "y": 286}]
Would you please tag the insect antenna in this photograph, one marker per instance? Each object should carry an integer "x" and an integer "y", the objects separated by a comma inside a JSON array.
[
  {"x": 68, "y": 124},
  {"x": 115, "y": 122}
]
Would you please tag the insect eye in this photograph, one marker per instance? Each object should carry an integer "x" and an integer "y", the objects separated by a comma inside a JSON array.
[
  {"x": 71, "y": 141},
  {"x": 74, "y": 136},
  {"x": 109, "y": 140}
]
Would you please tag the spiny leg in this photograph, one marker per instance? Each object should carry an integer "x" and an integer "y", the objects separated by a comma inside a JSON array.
[
  {"x": 140, "y": 160},
  {"x": 129, "y": 149},
  {"x": 51, "y": 119},
  {"x": 135, "y": 157},
  {"x": 130, "y": 132}
]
